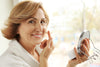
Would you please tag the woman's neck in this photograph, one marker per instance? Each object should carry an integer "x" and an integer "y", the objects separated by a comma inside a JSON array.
[{"x": 31, "y": 49}]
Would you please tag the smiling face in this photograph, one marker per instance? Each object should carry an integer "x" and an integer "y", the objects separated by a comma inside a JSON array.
[{"x": 33, "y": 29}]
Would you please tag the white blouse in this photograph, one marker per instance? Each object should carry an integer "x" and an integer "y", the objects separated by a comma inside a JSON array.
[{"x": 17, "y": 56}]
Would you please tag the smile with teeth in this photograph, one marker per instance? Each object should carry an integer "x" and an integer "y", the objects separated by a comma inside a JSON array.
[{"x": 37, "y": 36}]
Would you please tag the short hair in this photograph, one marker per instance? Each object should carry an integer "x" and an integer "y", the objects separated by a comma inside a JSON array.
[{"x": 19, "y": 13}]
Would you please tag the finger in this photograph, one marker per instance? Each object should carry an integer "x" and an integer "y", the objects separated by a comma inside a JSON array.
[
  {"x": 85, "y": 42},
  {"x": 85, "y": 50},
  {"x": 48, "y": 43},
  {"x": 47, "y": 53},
  {"x": 51, "y": 45},
  {"x": 76, "y": 53},
  {"x": 43, "y": 44},
  {"x": 88, "y": 43},
  {"x": 49, "y": 35}
]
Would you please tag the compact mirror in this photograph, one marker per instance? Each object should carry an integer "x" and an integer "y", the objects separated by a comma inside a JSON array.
[{"x": 85, "y": 34}]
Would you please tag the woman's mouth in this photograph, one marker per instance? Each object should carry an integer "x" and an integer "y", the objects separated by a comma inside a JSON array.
[{"x": 37, "y": 35}]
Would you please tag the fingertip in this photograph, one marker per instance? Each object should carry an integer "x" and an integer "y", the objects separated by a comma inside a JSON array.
[
  {"x": 49, "y": 35},
  {"x": 75, "y": 50},
  {"x": 48, "y": 31},
  {"x": 76, "y": 53},
  {"x": 88, "y": 40}
]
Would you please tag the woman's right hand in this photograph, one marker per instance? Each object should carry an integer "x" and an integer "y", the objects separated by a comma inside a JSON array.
[
  {"x": 48, "y": 47},
  {"x": 80, "y": 57}
]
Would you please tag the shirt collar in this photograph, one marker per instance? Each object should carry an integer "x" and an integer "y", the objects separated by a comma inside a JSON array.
[{"x": 21, "y": 52}]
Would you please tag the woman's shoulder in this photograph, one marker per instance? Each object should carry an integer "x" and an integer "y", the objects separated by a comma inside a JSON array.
[
  {"x": 17, "y": 55},
  {"x": 10, "y": 60}
]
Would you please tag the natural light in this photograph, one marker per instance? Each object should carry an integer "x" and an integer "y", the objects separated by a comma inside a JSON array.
[
  {"x": 66, "y": 24},
  {"x": 68, "y": 18}
]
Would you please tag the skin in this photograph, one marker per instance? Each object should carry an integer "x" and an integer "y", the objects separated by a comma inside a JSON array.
[
  {"x": 48, "y": 48},
  {"x": 80, "y": 58},
  {"x": 32, "y": 32}
]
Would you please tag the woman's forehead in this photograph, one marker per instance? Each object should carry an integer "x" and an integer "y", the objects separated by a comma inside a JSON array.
[{"x": 39, "y": 13}]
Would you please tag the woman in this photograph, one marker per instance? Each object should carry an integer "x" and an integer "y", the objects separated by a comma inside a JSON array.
[{"x": 26, "y": 27}]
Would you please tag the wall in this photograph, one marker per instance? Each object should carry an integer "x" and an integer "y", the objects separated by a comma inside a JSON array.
[{"x": 5, "y": 8}]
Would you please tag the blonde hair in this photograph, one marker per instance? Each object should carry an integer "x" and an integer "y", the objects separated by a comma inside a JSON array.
[{"x": 19, "y": 13}]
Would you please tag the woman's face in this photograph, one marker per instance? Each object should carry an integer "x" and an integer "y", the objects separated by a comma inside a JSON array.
[{"x": 33, "y": 30}]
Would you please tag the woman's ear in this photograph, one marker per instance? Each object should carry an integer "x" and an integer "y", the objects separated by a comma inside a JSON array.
[{"x": 17, "y": 31}]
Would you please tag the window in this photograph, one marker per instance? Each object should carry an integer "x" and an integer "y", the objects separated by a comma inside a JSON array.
[
  {"x": 68, "y": 18},
  {"x": 16, "y": 1}
]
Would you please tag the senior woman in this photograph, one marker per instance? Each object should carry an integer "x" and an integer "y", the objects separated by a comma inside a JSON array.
[{"x": 26, "y": 27}]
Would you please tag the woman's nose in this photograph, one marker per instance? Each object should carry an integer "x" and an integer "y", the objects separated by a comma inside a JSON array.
[{"x": 38, "y": 27}]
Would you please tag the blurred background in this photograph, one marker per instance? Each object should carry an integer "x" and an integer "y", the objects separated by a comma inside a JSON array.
[{"x": 68, "y": 18}]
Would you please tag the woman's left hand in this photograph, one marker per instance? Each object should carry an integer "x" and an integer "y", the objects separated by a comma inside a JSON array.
[
  {"x": 80, "y": 57},
  {"x": 47, "y": 46}
]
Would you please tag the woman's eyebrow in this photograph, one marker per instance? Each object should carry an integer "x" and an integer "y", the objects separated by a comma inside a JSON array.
[
  {"x": 34, "y": 18},
  {"x": 43, "y": 18},
  {"x": 37, "y": 19}
]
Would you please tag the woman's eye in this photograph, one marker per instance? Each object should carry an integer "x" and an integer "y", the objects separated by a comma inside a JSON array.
[
  {"x": 42, "y": 22},
  {"x": 31, "y": 21}
]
